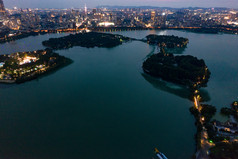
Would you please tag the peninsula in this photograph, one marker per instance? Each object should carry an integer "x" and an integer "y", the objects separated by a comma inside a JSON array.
[
  {"x": 8, "y": 36},
  {"x": 215, "y": 139},
  {"x": 23, "y": 66},
  {"x": 89, "y": 40},
  {"x": 225, "y": 134}
]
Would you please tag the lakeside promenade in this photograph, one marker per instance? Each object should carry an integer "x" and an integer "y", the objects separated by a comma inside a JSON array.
[{"x": 203, "y": 152}]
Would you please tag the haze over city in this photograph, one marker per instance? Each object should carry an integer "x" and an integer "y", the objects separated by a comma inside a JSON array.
[{"x": 94, "y": 3}]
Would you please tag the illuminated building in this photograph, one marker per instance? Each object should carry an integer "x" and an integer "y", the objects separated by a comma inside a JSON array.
[
  {"x": 2, "y": 8},
  {"x": 1, "y": 64},
  {"x": 153, "y": 15},
  {"x": 27, "y": 59},
  {"x": 94, "y": 10},
  {"x": 106, "y": 24},
  {"x": 86, "y": 10}
]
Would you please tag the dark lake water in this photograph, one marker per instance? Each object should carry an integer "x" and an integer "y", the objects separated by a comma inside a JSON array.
[{"x": 102, "y": 106}]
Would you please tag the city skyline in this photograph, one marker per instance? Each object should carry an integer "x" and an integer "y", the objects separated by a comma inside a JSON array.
[{"x": 95, "y": 3}]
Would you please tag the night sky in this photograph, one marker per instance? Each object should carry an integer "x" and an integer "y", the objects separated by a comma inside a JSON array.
[{"x": 94, "y": 3}]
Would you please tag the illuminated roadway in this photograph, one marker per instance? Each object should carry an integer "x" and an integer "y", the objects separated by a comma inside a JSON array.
[{"x": 205, "y": 144}]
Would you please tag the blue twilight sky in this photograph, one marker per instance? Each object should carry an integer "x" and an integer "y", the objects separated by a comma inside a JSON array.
[{"x": 94, "y": 3}]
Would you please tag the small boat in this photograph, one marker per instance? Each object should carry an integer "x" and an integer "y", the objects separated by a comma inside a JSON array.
[{"x": 160, "y": 155}]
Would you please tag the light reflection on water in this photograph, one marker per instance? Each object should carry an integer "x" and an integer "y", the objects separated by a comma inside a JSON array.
[{"x": 178, "y": 90}]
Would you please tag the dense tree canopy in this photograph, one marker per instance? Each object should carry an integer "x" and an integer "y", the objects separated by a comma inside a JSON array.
[
  {"x": 187, "y": 70},
  {"x": 167, "y": 41},
  {"x": 23, "y": 66},
  {"x": 91, "y": 39},
  {"x": 224, "y": 151}
]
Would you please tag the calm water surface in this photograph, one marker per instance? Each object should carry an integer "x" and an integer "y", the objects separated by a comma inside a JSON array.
[{"x": 103, "y": 107}]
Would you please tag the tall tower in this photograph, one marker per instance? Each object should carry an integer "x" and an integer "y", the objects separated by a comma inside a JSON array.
[
  {"x": 2, "y": 8},
  {"x": 86, "y": 10}
]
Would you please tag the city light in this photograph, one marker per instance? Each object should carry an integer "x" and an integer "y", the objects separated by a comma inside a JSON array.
[{"x": 106, "y": 24}]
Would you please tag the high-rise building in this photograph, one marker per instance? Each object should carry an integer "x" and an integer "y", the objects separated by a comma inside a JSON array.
[
  {"x": 85, "y": 9},
  {"x": 2, "y": 8},
  {"x": 94, "y": 10},
  {"x": 153, "y": 15}
]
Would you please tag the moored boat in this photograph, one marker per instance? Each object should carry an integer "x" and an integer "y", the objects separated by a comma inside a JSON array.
[{"x": 159, "y": 154}]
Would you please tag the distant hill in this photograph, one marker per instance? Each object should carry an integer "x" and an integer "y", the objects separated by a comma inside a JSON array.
[{"x": 154, "y": 7}]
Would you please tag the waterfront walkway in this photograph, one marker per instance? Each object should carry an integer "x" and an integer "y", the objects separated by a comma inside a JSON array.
[{"x": 202, "y": 153}]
